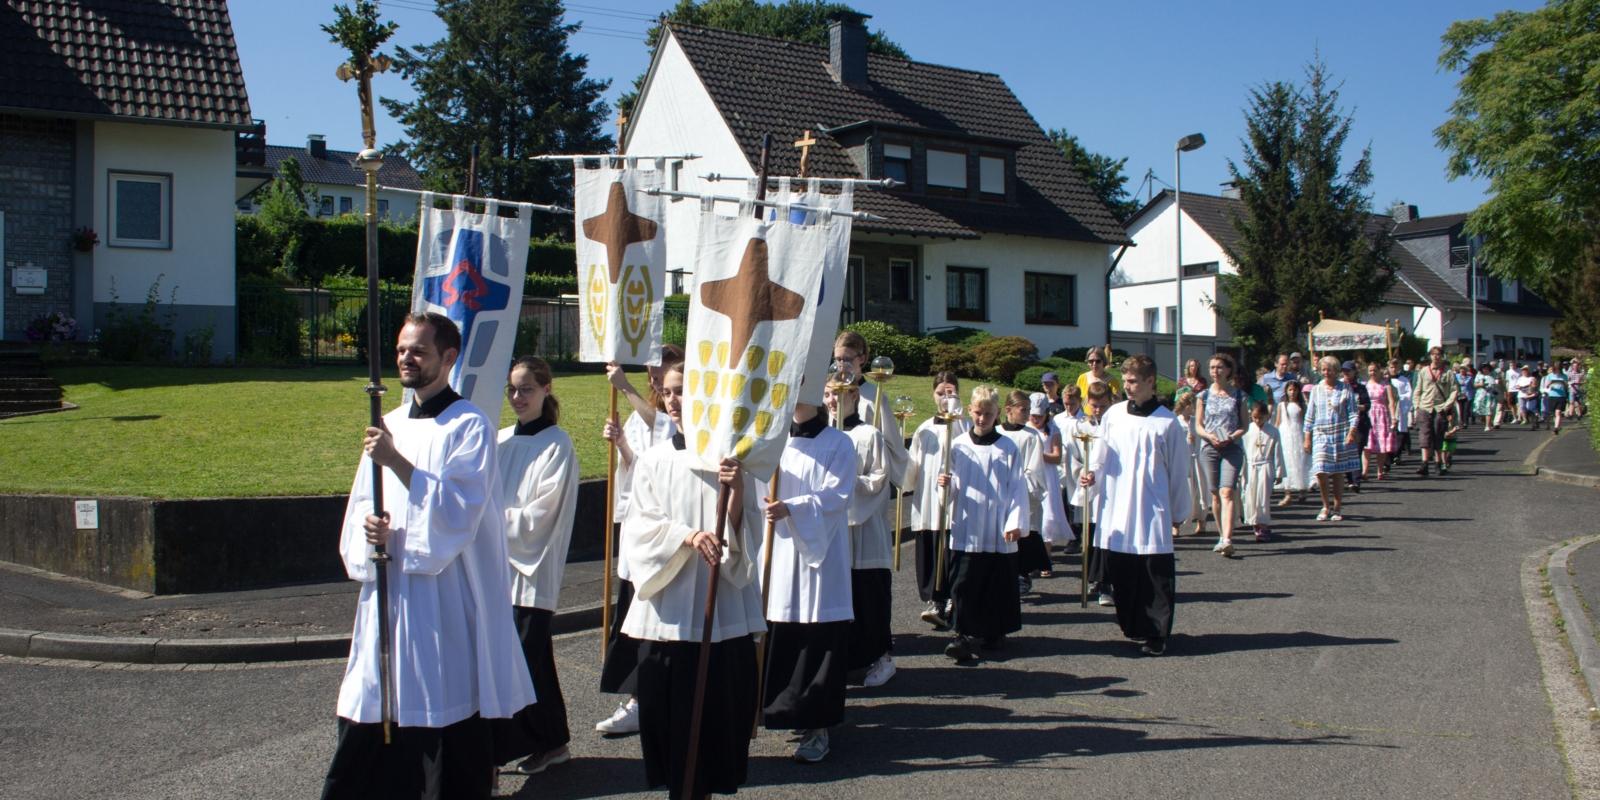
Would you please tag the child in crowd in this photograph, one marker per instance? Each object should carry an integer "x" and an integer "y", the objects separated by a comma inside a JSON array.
[
  {"x": 871, "y": 542},
  {"x": 1199, "y": 491},
  {"x": 1447, "y": 449},
  {"x": 1032, "y": 556},
  {"x": 1263, "y": 454},
  {"x": 924, "y": 462}
]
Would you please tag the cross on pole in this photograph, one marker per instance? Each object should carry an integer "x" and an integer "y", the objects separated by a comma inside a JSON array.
[
  {"x": 805, "y": 143},
  {"x": 622, "y": 127}
]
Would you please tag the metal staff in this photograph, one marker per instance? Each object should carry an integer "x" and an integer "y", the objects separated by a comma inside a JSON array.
[
  {"x": 899, "y": 505},
  {"x": 610, "y": 545},
  {"x": 949, "y": 418},
  {"x": 1088, "y": 515}
]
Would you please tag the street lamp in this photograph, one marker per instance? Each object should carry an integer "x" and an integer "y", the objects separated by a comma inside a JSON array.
[{"x": 1193, "y": 141}]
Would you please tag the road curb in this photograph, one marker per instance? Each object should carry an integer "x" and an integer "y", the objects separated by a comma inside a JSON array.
[
  {"x": 151, "y": 650},
  {"x": 1580, "y": 631}
]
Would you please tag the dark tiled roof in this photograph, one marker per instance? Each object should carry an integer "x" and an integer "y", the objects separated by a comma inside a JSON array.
[
  {"x": 339, "y": 168},
  {"x": 170, "y": 61},
  {"x": 763, "y": 85},
  {"x": 1416, "y": 284},
  {"x": 1427, "y": 225}
]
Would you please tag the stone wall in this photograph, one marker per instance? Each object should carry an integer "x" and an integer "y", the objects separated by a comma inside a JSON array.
[
  {"x": 36, "y": 181},
  {"x": 876, "y": 279}
]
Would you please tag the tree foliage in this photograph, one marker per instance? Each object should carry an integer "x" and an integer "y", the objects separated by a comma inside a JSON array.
[
  {"x": 503, "y": 79},
  {"x": 1308, "y": 242},
  {"x": 1527, "y": 118},
  {"x": 796, "y": 20},
  {"x": 1104, "y": 174}
]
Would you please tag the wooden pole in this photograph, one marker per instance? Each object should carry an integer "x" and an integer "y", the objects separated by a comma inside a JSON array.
[
  {"x": 944, "y": 506},
  {"x": 703, "y": 669},
  {"x": 766, "y": 588},
  {"x": 610, "y": 544},
  {"x": 1088, "y": 520},
  {"x": 899, "y": 504}
]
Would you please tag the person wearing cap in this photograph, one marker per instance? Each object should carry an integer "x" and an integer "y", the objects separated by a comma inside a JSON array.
[
  {"x": 1296, "y": 368},
  {"x": 1436, "y": 391},
  {"x": 1052, "y": 391}
]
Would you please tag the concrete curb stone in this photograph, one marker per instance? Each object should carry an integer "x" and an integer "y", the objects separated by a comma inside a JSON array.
[
  {"x": 14, "y": 641},
  {"x": 91, "y": 648},
  {"x": 1580, "y": 631}
]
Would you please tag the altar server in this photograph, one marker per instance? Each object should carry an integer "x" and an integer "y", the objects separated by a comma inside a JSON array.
[
  {"x": 1095, "y": 405},
  {"x": 1032, "y": 557},
  {"x": 871, "y": 543},
  {"x": 850, "y": 349},
  {"x": 648, "y": 424},
  {"x": 669, "y": 542},
  {"x": 1140, "y": 474},
  {"x": 1264, "y": 465},
  {"x": 923, "y": 464},
  {"x": 455, "y": 660},
  {"x": 539, "y": 491},
  {"x": 1048, "y": 510},
  {"x": 988, "y": 513},
  {"x": 809, "y": 607}
]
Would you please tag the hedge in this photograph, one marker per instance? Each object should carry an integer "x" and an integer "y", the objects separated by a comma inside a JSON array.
[{"x": 911, "y": 354}]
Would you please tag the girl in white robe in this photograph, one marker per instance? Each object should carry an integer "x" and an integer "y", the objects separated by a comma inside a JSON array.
[
  {"x": 923, "y": 464},
  {"x": 809, "y": 605},
  {"x": 1199, "y": 481},
  {"x": 988, "y": 515},
  {"x": 1291, "y": 416},
  {"x": 1032, "y": 557},
  {"x": 1051, "y": 514},
  {"x": 871, "y": 542},
  {"x": 1264, "y": 464},
  {"x": 538, "y": 473},
  {"x": 668, "y": 539}
]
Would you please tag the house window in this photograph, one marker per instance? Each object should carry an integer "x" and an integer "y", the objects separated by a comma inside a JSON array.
[
  {"x": 140, "y": 210},
  {"x": 1048, "y": 299},
  {"x": 897, "y": 162},
  {"x": 325, "y": 206},
  {"x": 1505, "y": 347},
  {"x": 1172, "y": 319},
  {"x": 346, "y": 205},
  {"x": 1480, "y": 287},
  {"x": 1460, "y": 255},
  {"x": 1533, "y": 348},
  {"x": 966, "y": 292},
  {"x": 991, "y": 175},
  {"x": 1196, "y": 270},
  {"x": 1152, "y": 320},
  {"x": 947, "y": 169},
  {"x": 850, "y": 310},
  {"x": 1508, "y": 291},
  {"x": 383, "y": 209},
  {"x": 900, "y": 284}
]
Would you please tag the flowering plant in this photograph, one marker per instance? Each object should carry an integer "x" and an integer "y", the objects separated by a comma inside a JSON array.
[
  {"x": 84, "y": 239},
  {"x": 52, "y": 327}
]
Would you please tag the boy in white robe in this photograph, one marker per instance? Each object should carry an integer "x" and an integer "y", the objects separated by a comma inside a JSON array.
[
  {"x": 1066, "y": 423},
  {"x": 669, "y": 542},
  {"x": 454, "y": 657},
  {"x": 1048, "y": 512},
  {"x": 1089, "y": 425},
  {"x": 1140, "y": 474},
  {"x": 1264, "y": 465},
  {"x": 988, "y": 513},
  {"x": 809, "y": 606},
  {"x": 871, "y": 543},
  {"x": 539, "y": 491},
  {"x": 923, "y": 465},
  {"x": 1032, "y": 557}
]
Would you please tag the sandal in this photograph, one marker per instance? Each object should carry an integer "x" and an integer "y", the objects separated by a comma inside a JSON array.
[{"x": 1322, "y": 516}]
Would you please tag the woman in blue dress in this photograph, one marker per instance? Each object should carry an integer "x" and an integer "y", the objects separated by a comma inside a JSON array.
[{"x": 1330, "y": 436}]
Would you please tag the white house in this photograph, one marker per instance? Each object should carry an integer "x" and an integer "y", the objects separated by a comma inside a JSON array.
[
  {"x": 1422, "y": 300},
  {"x": 120, "y": 119},
  {"x": 992, "y": 229},
  {"x": 338, "y": 186}
]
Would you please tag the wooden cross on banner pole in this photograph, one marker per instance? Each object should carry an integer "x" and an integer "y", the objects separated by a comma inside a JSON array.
[
  {"x": 622, "y": 128},
  {"x": 805, "y": 143}
]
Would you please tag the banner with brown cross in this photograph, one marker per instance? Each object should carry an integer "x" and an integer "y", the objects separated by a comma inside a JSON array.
[{"x": 622, "y": 264}]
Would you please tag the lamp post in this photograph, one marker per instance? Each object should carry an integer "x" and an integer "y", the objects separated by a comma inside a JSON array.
[{"x": 1193, "y": 141}]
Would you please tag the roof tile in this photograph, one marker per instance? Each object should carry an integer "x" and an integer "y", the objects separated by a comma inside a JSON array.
[{"x": 339, "y": 168}]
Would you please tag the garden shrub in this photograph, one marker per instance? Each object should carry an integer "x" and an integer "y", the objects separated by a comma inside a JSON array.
[
  {"x": 142, "y": 335},
  {"x": 910, "y": 353},
  {"x": 951, "y": 358},
  {"x": 958, "y": 335},
  {"x": 269, "y": 322},
  {"x": 1027, "y": 378},
  {"x": 551, "y": 286},
  {"x": 1000, "y": 358}
]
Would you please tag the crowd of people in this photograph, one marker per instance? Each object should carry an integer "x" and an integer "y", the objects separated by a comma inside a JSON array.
[{"x": 800, "y": 574}]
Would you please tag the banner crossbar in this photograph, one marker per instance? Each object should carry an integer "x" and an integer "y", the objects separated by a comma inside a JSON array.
[
  {"x": 860, "y": 183},
  {"x": 550, "y": 209},
  {"x": 721, "y": 198}
]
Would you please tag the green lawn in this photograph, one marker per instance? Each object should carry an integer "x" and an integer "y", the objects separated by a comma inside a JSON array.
[{"x": 187, "y": 432}]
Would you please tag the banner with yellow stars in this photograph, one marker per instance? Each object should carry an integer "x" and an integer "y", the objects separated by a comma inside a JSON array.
[
  {"x": 766, "y": 292},
  {"x": 622, "y": 264}
]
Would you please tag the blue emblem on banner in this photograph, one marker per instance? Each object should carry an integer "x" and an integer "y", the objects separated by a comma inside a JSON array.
[{"x": 466, "y": 290}]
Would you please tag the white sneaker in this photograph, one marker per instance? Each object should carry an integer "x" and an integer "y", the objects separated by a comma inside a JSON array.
[
  {"x": 813, "y": 748},
  {"x": 624, "y": 720},
  {"x": 880, "y": 672}
]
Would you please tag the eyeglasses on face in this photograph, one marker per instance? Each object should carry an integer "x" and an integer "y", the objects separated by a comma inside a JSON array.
[{"x": 514, "y": 392}]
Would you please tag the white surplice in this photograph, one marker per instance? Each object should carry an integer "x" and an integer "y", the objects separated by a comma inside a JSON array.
[
  {"x": 811, "y": 547},
  {"x": 539, "y": 491},
  {"x": 989, "y": 492},
  {"x": 455, "y": 651},
  {"x": 895, "y": 454},
  {"x": 641, "y": 437},
  {"x": 1028, "y": 445},
  {"x": 1073, "y": 464},
  {"x": 923, "y": 462},
  {"x": 1140, "y": 476},
  {"x": 1048, "y": 511},
  {"x": 1263, "y": 455},
  {"x": 872, "y": 543},
  {"x": 675, "y": 495}
]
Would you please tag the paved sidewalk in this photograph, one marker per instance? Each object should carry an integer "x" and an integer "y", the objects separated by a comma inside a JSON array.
[
  {"x": 1570, "y": 457},
  {"x": 43, "y": 614}
]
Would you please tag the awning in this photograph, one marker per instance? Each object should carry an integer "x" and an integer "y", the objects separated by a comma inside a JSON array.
[{"x": 1331, "y": 335}]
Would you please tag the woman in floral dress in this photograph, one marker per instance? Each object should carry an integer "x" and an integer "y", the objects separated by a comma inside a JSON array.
[
  {"x": 1383, "y": 440},
  {"x": 1330, "y": 437}
]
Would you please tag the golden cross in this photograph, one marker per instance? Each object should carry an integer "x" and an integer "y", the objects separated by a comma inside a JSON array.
[
  {"x": 805, "y": 143},
  {"x": 622, "y": 127}
]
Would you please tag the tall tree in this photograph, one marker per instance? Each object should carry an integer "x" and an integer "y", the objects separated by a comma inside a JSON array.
[
  {"x": 1527, "y": 117},
  {"x": 796, "y": 20},
  {"x": 501, "y": 78},
  {"x": 1105, "y": 175},
  {"x": 1308, "y": 242}
]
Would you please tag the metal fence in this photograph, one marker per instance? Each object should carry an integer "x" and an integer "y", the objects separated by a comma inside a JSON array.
[{"x": 328, "y": 326}]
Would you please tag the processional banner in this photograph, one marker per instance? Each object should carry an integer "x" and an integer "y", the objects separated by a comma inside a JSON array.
[
  {"x": 761, "y": 325},
  {"x": 471, "y": 268},
  {"x": 622, "y": 264}
]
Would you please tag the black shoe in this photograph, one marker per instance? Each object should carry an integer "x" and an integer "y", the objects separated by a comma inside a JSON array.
[
  {"x": 960, "y": 649},
  {"x": 1074, "y": 548},
  {"x": 994, "y": 642},
  {"x": 1423, "y": 470},
  {"x": 1154, "y": 646}
]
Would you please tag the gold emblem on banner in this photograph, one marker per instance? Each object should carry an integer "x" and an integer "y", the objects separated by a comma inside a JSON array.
[
  {"x": 599, "y": 301},
  {"x": 636, "y": 294}
]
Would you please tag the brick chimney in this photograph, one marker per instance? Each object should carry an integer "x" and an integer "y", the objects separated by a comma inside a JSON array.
[
  {"x": 1404, "y": 213},
  {"x": 316, "y": 145},
  {"x": 847, "y": 47}
]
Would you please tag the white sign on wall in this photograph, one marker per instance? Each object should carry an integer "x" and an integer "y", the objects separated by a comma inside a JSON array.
[{"x": 88, "y": 514}]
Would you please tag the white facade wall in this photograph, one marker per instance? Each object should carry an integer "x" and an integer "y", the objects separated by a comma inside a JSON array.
[
  {"x": 1128, "y": 304},
  {"x": 1492, "y": 324},
  {"x": 1006, "y": 258},
  {"x": 675, "y": 117},
  {"x": 1144, "y": 276},
  {"x": 200, "y": 262}
]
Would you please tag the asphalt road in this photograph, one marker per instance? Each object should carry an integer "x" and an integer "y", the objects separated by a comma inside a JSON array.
[{"x": 1385, "y": 656}]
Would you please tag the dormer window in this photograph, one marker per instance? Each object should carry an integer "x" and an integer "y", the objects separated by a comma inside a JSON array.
[
  {"x": 897, "y": 163},
  {"x": 947, "y": 169},
  {"x": 992, "y": 175}
]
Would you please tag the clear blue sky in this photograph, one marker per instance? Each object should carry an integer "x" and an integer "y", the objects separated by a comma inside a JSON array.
[{"x": 1129, "y": 78}]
